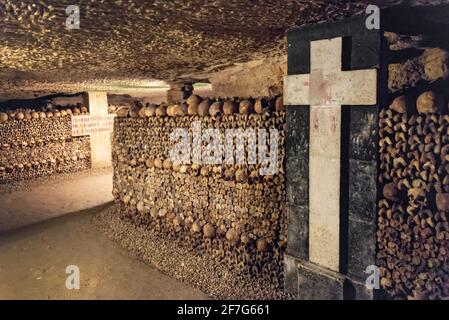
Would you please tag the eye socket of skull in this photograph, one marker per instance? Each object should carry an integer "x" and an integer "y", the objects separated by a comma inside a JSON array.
[{"x": 416, "y": 194}]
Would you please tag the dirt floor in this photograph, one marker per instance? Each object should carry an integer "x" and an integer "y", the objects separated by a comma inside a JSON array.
[
  {"x": 33, "y": 262},
  {"x": 42, "y": 231},
  {"x": 28, "y": 202},
  {"x": 52, "y": 223}
]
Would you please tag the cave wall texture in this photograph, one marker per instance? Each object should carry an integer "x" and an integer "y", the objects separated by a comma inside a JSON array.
[
  {"x": 126, "y": 43},
  {"x": 257, "y": 78}
]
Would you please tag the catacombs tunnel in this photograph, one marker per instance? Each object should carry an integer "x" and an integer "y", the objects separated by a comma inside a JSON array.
[{"x": 214, "y": 150}]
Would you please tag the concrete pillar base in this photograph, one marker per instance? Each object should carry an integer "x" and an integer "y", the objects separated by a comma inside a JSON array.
[{"x": 308, "y": 281}]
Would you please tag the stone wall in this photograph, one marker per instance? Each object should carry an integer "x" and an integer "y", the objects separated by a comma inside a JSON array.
[
  {"x": 256, "y": 78},
  {"x": 413, "y": 228},
  {"x": 35, "y": 144},
  {"x": 229, "y": 213}
]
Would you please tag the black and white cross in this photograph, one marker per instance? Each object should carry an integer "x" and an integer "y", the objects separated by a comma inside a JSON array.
[{"x": 326, "y": 89}]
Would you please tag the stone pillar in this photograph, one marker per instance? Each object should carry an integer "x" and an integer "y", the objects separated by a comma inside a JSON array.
[
  {"x": 175, "y": 94},
  {"x": 331, "y": 161},
  {"x": 341, "y": 78},
  {"x": 100, "y": 143}
]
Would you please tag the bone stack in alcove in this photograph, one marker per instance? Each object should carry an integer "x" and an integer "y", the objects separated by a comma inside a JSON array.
[
  {"x": 230, "y": 213},
  {"x": 413, "y": 229},
  {"x": 36, "y": 143}
]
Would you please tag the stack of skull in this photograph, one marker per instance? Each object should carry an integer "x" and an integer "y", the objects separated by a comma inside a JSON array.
[
  {"x": 40, "y": 143},
  {"x": 232, "y": 213},
  {"x": 413, "y": 227}
]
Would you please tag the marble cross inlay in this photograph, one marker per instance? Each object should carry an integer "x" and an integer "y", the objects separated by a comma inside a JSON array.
[{"x": 326, "y": 89}]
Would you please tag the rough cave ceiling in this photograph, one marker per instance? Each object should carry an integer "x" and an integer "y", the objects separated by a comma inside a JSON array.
[{"x": 125, "y": 43}]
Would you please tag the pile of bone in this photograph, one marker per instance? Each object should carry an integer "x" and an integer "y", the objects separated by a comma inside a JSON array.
[
  {"x": 43, "y": 159},
  {"x": 187, "y": 265},
  {"x": 49, "y": 111},
  {"x": 35, "y": 144},
  {"x": 153, "y": 136},
  {"x": 413, "y": 227},
  {"x": 195, "y": 105},
  {"x": 231, "y": 213}
]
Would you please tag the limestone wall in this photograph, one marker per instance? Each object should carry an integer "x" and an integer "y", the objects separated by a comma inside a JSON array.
[
  {"x": 35, "y": 144},
  {"x": 413, "y": 228},
  {"x": 256, "y": 78},
  {"x": 230, "y": 213}
]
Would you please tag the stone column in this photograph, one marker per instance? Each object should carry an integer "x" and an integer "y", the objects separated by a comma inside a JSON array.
[
  {"x": 331, "y": 161},
  {"x": 100, "y": 143},
  {"x": 175, "y": 93}
]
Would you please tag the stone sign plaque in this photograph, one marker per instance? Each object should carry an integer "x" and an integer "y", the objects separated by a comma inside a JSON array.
[{"x": 87, "y": 125}]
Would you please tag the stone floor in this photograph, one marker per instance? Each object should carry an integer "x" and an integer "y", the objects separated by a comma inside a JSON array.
[{"x": 33, "y": 262}]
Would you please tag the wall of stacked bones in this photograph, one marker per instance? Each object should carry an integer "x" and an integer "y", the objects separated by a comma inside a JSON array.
[
  {"x": 230, "y": 213},
  {"x": 413, "y": 227},
  {"x": 36, "y": 143}
]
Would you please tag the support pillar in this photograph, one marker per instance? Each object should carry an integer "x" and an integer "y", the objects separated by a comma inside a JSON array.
[
  {"x": 332, "y": 104},
  {"x": 100, "y": 142},
  {"x": 341, "y": 77}
]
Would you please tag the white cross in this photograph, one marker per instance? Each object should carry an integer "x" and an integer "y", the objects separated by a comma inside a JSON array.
[{"x": 326, "y": 89}]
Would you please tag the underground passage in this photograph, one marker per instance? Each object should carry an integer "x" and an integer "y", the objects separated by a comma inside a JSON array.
[{"x": 211, "y": 150}]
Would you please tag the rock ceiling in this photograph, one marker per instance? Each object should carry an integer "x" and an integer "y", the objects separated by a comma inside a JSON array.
[{"x": 126, "y": 43}]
